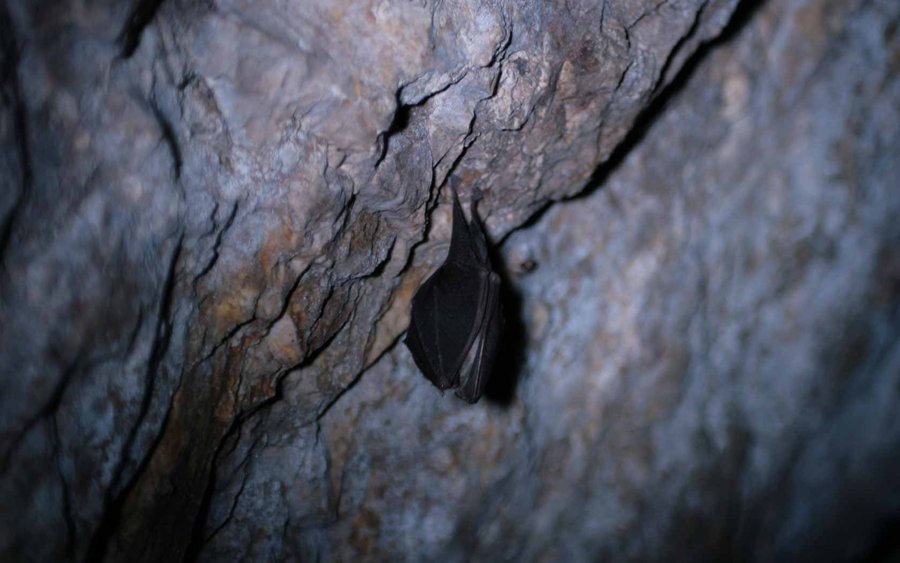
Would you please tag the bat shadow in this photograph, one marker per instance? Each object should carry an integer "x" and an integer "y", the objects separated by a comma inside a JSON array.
[{"x": 511, "y": 349}]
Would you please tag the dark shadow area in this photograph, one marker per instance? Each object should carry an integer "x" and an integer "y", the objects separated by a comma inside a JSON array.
[
  {"x": 123, "y": 483},
  {"x": 11, "y": 97},
  {"x": 885, "y": 547},
  {"x": 140, "y": 17},
  {"x": 399, "y": 122},
  {"x": 501, "y": 386}
]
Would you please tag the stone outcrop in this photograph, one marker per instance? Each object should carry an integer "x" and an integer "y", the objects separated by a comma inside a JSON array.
[{"x": 213, "y": 217}]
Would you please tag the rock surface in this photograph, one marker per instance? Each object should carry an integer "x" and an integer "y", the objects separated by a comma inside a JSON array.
[{"x": 213, "y": 217}]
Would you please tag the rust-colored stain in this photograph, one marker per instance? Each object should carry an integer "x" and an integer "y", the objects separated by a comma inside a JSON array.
[
  {"x": 810, "y": 20},
  {"x": 226, "y": 407},
  {"x": 395, "y": 320},
  {"x": 283, "y": 342},
  {"x": 228, "y": 310},
  {"x": 184, "y": 452},
  {"x": 363, "y": 233},
  {"x": 278, "y": 243},
  {"x": 469, "y": 177},
  {"x": 365, "y": 530}
]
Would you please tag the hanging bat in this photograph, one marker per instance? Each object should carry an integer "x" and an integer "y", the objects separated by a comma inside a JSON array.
[{"x": 456, "y": 318}]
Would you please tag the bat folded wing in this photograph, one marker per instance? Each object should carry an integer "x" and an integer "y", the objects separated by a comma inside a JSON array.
[
  {"x": 456, "y": 318},
  {"x": 443, "y": 322},
  {"x": 479, "y": 359}
]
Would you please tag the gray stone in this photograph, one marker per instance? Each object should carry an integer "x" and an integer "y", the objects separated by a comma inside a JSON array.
[
  {"x": 213, "y": 217},
  {"x": 712, "y": 367}
]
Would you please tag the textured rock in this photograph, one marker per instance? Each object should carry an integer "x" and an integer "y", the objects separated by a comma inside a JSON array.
[
  {"x": 213, "y": 217},
  {"x": 712, "y": 368}
]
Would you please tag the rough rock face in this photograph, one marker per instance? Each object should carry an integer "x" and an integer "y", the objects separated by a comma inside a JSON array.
[
  {"x": 213, "y": 217},
  {"x": 713, "y": 339}
]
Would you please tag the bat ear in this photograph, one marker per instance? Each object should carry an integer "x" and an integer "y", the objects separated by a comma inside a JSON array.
[
  {"x": 468, "y": 245},
  {"x": 461, "y": 246},
  {"x": 459, "y": 218},
  {"x": 476, "y": 230}
]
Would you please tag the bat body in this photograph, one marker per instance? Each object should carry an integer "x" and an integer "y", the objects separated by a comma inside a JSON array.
[{"x": 456, "y": 317}]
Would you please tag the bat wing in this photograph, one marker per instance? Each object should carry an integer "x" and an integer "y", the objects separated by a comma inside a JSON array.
[
  {"x": 479, "y": 360},
  {"x": 444, "y": 323}
]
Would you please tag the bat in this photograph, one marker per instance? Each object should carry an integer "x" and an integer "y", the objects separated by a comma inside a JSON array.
[{"x": 456, "y": 316}]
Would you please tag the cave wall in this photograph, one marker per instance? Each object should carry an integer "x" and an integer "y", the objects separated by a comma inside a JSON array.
[
  {"x": 213, "y": 217},
  {"x": 712, "y": 366}
]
